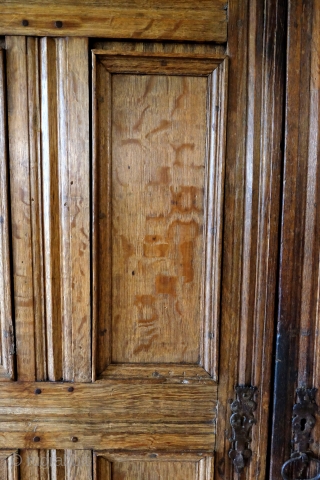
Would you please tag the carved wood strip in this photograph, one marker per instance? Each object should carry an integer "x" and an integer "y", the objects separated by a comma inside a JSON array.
[
  {"x": 6, "y": 322},
  {"x": 21, "y": 207},
  {"x": 167, "y": 20}
]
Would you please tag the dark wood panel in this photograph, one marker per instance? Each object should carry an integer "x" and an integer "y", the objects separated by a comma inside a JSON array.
[{"x": 297, "y": 351}]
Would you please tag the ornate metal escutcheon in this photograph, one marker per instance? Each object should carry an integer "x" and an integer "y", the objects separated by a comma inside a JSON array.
[
  {"x": 241, "y": 421},
  {"x": 303, "y": 421}
]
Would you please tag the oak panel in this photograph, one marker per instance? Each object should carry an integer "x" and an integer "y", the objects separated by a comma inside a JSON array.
[
  {"x": 158, "y": 162},
  {"x": 159, "y": 148},
  {"x": 178, "y": 20}
]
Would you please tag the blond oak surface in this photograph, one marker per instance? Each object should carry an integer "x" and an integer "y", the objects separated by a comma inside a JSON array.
[{"x": 163, "y": 20}]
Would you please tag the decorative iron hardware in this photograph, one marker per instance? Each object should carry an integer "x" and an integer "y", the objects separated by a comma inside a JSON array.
[
  {"x": 303, "y": 421},
  {"x": 241, "y": 421}
]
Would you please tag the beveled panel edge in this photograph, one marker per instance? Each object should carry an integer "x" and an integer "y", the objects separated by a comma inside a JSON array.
[
  {"x": 182, "y": 21},
  {"x": 5, "y": 453},
  {"x": 216, "y": 152},
  {"x": 160, "y": 63},
  {"x": 157, "y": 373},
  {"x": 159, "y": 456}
]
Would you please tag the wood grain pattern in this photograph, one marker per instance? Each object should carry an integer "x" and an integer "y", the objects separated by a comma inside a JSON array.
[
  {"x": 297, "y": 350},
  {"x": 174, "y": 151},
  {"x": 158, "y": 163},
  {"x": 7, "y": 335},
  {"x": 253, "y": 165},
  {"x": 108, "y": 415},
  {"x": 178, "y": 20}
]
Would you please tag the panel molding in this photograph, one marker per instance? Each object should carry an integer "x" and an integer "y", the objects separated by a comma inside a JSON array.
[{"x": 215, "y": 68}]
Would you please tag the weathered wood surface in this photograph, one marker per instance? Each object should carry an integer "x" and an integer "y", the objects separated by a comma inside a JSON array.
[
  {"x": 108, "y": 415},
  {"x": 178, "y": 20},
  {"x": 298, "y": 341}
]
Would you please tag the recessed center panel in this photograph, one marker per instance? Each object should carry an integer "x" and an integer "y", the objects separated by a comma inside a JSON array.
[{"x": 158, "y": 157}]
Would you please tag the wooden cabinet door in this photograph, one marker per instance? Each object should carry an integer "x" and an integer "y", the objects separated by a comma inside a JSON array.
[{"x": 140, "y": 210}]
